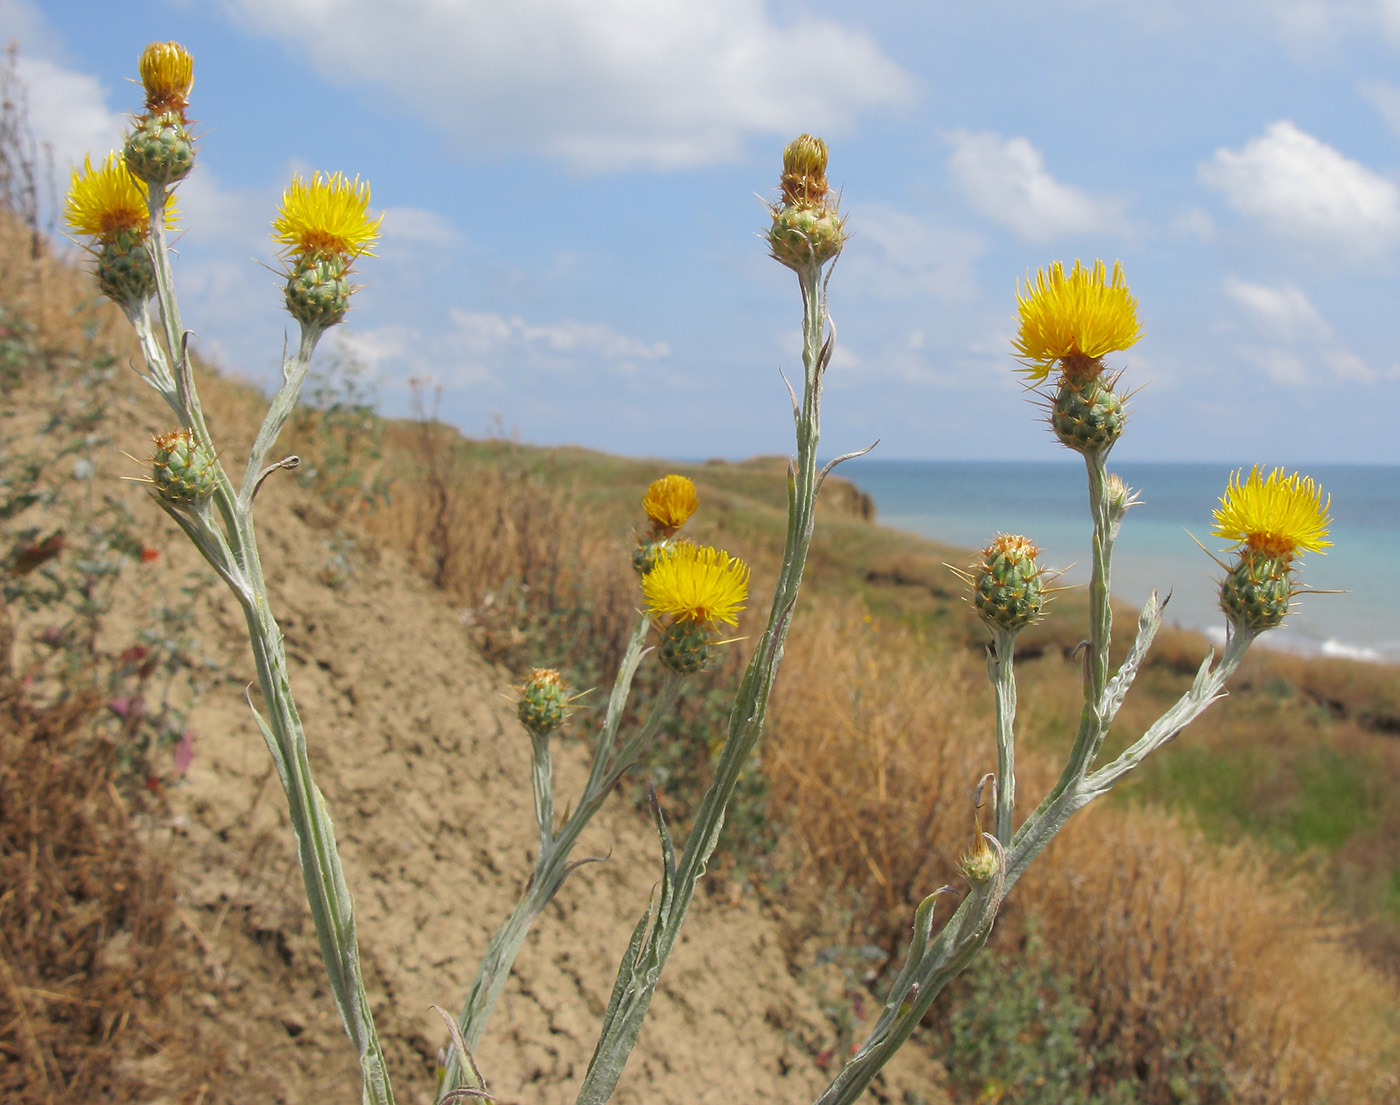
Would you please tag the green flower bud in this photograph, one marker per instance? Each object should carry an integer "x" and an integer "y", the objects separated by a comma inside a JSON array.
[
  {"x": 647, "y": 550},
  {"x": 318, "y": 292},
  {"x": 980, "y": 864},
  {"x": 183, "y": 471},
  {"x": 803, "y": 236},
  {"x": 685, "y": 647},
  {"x": 1007, "y": 586},
  {"x": 1086, "y": 415},
  {"x": 1256, "y": 594},
  {"x": 807, "y": 231},
  {"x": 124, "y": 269},
  {"x": 544, "y": 698},
  {"x": 160, "y": 151}
]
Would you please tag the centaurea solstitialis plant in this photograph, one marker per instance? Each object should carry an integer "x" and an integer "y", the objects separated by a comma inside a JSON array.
[{"x": 1068, "y": 322}]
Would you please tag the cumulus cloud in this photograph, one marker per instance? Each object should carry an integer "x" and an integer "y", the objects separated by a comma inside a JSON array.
[
  {"x": 1300, "y": 341},
  {"x": 69, "y": 114},
  {"x": 1385, "y": 98},
  {"x": 1302, "y": 188},
  {"x": 1283, "y": 366},
  {"x": 902, "y": 253},
  {"x": 601, "y": 84},
  {"x": 1309, "y": 24},
  {"x": 1286, "y": 312},
  {"x": 486, "y": 332},
  {"x": 1006, "y": 180}
]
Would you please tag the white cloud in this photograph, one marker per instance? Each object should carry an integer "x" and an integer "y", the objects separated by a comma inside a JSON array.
[
  {"x": 1006, "y": 180},
  {"x": 1349, "y": 366},
  {"x": 601, "y": 84},
  {"x": 900, "y": 252},
  {"x": 1298, "y": 336},
  {"x": 1385, "y": 98},
  {"x": 485, "y": 333},
  {"x": 1283, "y": 365},
  {"x": 417, "y": 226},
  {"x": 68, "y": 112},
  {"x": 1283, "y": 312},
  {"x": 1302, "y": 188},
  {"x": 1197, "y": 223},
  {"x": 1311, "y": 23}
]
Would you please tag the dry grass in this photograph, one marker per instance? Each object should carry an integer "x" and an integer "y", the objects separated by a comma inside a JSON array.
[
  {"x": 1194, "y": 962},
  {"x": 89, "y": 947},
  {"x": 873, "y": 759}
]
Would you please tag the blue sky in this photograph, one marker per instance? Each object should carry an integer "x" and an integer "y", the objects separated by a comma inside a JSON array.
[{"x": 573, "y": 191}]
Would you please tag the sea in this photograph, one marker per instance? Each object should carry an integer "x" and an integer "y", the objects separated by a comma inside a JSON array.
[{"x": 966, "y": 503}]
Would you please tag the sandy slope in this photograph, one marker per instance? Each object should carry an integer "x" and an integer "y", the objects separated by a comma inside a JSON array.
[{"x": 414, "y": 742}]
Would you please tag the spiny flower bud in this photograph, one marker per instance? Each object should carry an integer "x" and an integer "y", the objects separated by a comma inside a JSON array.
[
  {"x": 1119, "y": 496},
  {"x": 807, "y": 230},
  {"x": 182, "y": 470},
  {"x": 544, "y": 698},
  {"x": 980, "y": 864},
  {"x": 685, "y": 647},
  {"x": 1086, "y": 415},
  {"x": 647, "y": 550},
  {"x": 160, "y": 150},
  {"x": 125, "y": 272},
  {"x": 318, "y": 292},
  {"x": 1257, "y": 592},
  {"x": 1007, "y": 586}
]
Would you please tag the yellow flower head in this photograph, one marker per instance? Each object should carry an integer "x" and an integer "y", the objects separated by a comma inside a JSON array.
[
  {"x": 326, "y": 217},
  {"x": 1075, "y": 318},
  {"x": 669, "y": 502},
  {"x": 167, "y": 72},
  {"x": 690, "y": 583},
  {"x": 106, "y": 201},
  {"x": 1275, "y": 515},
  {"x": 804, "y": 181}
]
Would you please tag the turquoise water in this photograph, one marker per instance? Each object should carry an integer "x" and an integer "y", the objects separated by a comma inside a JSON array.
[{"x": 968, "y": 502}]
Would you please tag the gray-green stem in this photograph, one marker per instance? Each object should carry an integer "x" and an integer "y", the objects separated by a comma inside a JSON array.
[
  {"x": 656, "y": 933},
  {"x": 552, "y": 863},
  {"x": 1001, "y": 655},
  {"x": 231, "y": 549}
]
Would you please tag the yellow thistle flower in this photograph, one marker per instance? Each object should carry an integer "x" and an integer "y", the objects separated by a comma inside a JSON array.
[
  {"x": 804, "y": 182},
  {"x": 104, "y": 202},
  {"x": 167, "y": 72},
  {"x": 1075, "y": 318},
  {"x": 669, "y": 502},
  {"x": 1275, "y": 515},
  {"x": 693, "y": 584},
  {"x": 326, "y": 217}
]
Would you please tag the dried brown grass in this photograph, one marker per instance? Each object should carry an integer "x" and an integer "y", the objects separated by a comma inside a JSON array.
[
  {"x": 1187, "y": 956},
  {"x": 89, "y": 947},
  {"x": 515, "y": 552}
]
